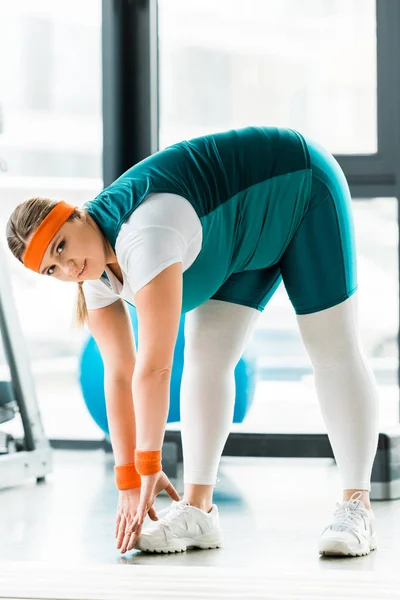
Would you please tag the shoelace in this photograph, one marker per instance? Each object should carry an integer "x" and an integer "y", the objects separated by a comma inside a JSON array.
[
  {"x": 172, "y": 512},
  {"x": 348, "y": 515}
]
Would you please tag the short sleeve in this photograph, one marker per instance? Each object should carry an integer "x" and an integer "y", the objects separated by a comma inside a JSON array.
[
  {"x": 162, "y": 231},
  {"x": 98, "y": 294},
  {"x": 147, "y": 252}
]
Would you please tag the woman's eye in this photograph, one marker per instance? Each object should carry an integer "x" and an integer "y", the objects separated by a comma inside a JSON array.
[{"x": 60, "y": 248}]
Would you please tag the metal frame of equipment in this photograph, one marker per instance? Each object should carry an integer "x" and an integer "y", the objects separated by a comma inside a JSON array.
[{"x": 31, "y": 456}]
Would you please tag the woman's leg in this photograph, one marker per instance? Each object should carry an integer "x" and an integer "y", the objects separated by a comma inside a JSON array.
[
  {"x": 215, "y": 337},
  {"x": 346, "y": 391},
  {"x": 320, "y": 274}
]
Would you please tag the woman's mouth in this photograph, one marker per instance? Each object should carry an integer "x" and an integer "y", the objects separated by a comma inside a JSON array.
[{"x": 82, "y": 269}]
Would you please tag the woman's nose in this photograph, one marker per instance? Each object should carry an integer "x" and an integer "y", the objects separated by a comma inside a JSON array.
[{"x": 69, "y": 267}]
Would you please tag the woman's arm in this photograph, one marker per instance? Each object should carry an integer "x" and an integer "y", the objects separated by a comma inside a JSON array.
[
  {"x": 158, "y": 307},
  {"x": 121, "y": 419},
  {"x": 112, "y": 330}
]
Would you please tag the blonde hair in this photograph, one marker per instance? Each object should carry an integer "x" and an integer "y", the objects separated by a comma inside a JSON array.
[{"x": 24, "y": 220}]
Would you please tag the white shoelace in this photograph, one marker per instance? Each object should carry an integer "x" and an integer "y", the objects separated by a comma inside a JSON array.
[
  {"x": 171, "y": 513},
  {"x": 349, "y": 514}
]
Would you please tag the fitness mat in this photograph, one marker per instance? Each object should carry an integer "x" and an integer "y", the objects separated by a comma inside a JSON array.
[{"x": 45, "y": 581}]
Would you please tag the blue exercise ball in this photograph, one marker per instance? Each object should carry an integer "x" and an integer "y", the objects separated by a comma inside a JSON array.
[{"x": 91, "y": 378}]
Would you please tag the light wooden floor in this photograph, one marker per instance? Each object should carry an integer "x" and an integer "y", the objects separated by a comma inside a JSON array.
[
  {"x": 38, "y": 581},
  {"x": 272, "y": 513}
]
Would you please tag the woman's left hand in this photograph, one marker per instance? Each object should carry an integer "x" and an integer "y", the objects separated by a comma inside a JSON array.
[{"x": 151, "y": 486}]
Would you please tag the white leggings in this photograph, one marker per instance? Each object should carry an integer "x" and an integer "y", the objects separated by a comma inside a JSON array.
[{"x": 215, "y": 337}]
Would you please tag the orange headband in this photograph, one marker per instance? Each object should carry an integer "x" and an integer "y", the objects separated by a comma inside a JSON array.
[{"x": 43, "y": 235}]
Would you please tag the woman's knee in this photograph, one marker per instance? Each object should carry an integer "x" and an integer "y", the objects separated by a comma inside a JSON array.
[
  {"x": 208, "y": 360},
  {"x": 331, "y": 336}
]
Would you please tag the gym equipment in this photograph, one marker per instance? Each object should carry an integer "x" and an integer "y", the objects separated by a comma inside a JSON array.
[
  {"x": 92, "y": 380},
  {"x": 7, "y": 404},
  {"x": 8, "y": 411},
  {"x": 30, "y": 456}
]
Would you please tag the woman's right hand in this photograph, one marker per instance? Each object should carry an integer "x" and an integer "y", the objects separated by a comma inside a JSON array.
[{"x": 128, "y": 503}]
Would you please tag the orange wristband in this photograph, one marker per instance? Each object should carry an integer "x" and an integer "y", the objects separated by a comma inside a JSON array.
[
  {"x": 127, "y": 477},
  {"x": 148, "y": 463}
]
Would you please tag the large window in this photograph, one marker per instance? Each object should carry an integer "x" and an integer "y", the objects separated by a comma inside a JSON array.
[
  {"x": 307, "y": 64},
  {"x": 310, "y": 65},
  {"x": 50, "y": 146}
]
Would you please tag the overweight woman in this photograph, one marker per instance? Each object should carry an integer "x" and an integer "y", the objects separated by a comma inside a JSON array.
[{"x": 210, "y": 227}]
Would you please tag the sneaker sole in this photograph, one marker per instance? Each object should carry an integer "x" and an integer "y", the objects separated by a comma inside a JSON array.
[
  {"x": 206, "y": 542},
  {"x": 338, "y": 548}
]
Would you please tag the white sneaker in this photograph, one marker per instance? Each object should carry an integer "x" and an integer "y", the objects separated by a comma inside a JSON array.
[
  {"x": 352, "y": 533},
  {"x": 182, "y": 526}
]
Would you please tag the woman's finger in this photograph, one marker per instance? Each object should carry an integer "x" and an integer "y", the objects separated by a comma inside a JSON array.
[
  {"x": 126, "y": 540},
  {"x": 134, "y": 525},
  {"x": 128, "y": 532},
  {"x": 152, "y": 514},
  {"x": 121, "y": 532},
  {"x": 132, "y": 541},
  {"x": 117, "y": 524},
  {"x": 138, "y": 522},
  {"x": 140, "y": 517},
  {"x": 134, "y": 538},
  {"x": 172, "y": 493}
]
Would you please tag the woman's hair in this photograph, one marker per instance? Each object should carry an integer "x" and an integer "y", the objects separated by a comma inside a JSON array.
[{"x": 24, "y": 220}]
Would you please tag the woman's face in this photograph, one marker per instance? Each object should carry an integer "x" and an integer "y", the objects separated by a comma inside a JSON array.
[{"x": 76, "y": 252}]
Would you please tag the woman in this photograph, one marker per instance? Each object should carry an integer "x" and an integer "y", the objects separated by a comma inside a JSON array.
[{"x": 210, "y": 227}]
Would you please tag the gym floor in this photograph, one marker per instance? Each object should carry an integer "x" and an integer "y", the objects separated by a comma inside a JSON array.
[{"x": 272, "y": 513}]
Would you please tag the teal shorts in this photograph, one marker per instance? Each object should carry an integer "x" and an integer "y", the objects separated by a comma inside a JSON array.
[{"x": 318, "y": 265}]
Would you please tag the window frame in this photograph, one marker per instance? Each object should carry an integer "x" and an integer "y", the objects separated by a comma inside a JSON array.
[{"x": 131, "y": 99}]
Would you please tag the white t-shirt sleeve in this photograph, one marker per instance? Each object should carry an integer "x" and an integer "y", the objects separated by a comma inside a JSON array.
[
  {"x": 98, "y": 294},
  {"x": 149, "y": 251},
  {"x": 162, "y": 231}
]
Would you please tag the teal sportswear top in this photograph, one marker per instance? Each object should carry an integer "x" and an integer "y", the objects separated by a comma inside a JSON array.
[{"x": 250, "y": 189}]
